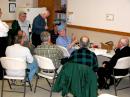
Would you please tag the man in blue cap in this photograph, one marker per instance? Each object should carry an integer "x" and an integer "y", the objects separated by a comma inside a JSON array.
[{"x": 65, "y": 40}]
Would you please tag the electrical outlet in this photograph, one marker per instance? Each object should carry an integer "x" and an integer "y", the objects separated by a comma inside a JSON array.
[{"x": 109, "y": 17}]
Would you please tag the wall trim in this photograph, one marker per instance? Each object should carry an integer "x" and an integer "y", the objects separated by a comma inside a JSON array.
[
  {"x": 99, "y": 30},
  {"x": 8, "y": 21}
]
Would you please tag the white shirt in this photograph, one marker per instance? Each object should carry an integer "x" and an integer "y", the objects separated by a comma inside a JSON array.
[
  {"x": 24, "y": 27},
  {"x": 18, "y": 51},
  {"x": 4, "y": 28}
]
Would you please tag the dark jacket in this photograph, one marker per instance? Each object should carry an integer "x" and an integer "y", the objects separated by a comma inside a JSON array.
[
  {"x": 125, "y": 52},
  {"x": 38, "y": 25},
  {"x": 15, "y": 27}
]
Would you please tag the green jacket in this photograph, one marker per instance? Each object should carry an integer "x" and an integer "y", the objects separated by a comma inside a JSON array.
[{"x": 77, "y": 79}]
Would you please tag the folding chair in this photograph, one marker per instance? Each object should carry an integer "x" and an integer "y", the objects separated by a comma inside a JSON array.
[
  {"x": 64, "y": 50},
  {"x": 45, "y": 64},
  {"x": 14, "y": 64},
  {"x": 122, "y": 63},
  {"x": 106, "y": 95}
]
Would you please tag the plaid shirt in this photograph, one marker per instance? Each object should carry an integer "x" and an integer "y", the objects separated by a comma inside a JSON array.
[
  {"x": 85, "y": 56},
  {"x": 50, "y": 51}
]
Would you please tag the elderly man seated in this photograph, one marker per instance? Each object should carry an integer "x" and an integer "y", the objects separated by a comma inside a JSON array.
[
  {"x": 104, "y": 72},
  {"x": 78, "y": 76},
  {"x": 49, "y": 50},
  {"x": 19, "y": 51},
  {"x": 65, "y": 40}
]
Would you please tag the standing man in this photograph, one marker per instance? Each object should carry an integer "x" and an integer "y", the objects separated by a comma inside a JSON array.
[
  {"x": 4, "y": 28},
  {"x": 39, "y": 25},
  {"x": 20, "y": 26}
]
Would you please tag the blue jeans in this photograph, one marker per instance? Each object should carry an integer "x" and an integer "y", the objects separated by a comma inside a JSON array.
[{"x": 33, "y": 67}]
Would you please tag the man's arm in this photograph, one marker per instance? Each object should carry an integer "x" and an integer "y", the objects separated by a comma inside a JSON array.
[{"x": 29, "y": 57}]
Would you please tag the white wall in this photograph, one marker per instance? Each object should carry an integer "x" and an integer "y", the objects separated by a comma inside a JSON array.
[
  {"x": 95, "y": 37},
  {"x": 4, "y": 5},
  {"x": 92, "y": 13}
]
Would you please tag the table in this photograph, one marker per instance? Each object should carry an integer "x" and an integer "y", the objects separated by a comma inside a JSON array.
[
  {"x": 102, "y": 55},
  {"x": 102, "y": 52}
]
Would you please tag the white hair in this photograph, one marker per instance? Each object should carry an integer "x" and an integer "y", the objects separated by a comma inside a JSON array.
[
  {"x": 124, "y": 41},
  {"x": 44, "y": 11}
]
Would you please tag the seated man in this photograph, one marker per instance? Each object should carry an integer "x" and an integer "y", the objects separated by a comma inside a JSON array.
[
  {"x": 26, "y": 43},
  {"x": 122, "y": 50},
  {"x": 49, "y": 50},
  {"x": 77, "y": 75},
  {"x": 83, "y": 55},
  {"x": 19, "y": 51},
  {"x": 65, "y": 40}
]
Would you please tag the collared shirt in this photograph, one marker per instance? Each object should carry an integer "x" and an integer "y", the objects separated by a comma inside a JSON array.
[
  {"x": 18, "y": 51},
  {"x": 64, "y": 41},
  {"x": 50, "y": 51},
  {"x": 86, "y": 57},
  {"x": 4, "y": 28}
]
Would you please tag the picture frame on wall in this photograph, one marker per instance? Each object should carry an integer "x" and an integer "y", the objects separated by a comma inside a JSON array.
[
  {"x": 12, "y": 7},
  {"x": 12, "y": 0}
]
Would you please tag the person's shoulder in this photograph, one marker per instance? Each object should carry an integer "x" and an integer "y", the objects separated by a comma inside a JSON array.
[
  {"x": 127, "y": 48},
  {"x": 23, "y": 47},
  {"x": 15, "y": 21},
  {"x": 9, "y": 46},
  {"x": 87, "y": 51},
  {"x": 58, "y": 39}
]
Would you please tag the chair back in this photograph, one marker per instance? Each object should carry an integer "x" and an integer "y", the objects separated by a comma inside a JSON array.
[
  {"x": 44, "y": 63},
  {"x": 123, "y": 63},
  {"x": 9, "y": 63},
  {"x": 64, "y": 50}
]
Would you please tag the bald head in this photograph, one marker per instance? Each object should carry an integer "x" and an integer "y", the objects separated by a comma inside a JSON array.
[
  {"x": 84, "y": 41},
  {"x": 124, "y": 41}
]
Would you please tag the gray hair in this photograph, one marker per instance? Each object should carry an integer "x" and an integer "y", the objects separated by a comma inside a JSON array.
[
  {"x": 84, "y": 42},
  {"x": 45, "y": 36},
  {"x": 22, "y": 12},
  {"x": 18, "y": 39}
]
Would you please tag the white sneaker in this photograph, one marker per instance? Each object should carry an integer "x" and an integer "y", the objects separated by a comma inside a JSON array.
[{"x": 27, "y": 83}]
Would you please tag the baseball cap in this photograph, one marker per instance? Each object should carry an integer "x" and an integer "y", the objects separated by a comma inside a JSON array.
[{"x": 60, "y": 27}]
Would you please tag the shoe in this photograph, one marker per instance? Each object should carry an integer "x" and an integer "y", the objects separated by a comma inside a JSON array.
[{"x": 27, "y": 83}]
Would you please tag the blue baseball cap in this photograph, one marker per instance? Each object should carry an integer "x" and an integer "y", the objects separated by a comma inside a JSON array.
[{"x": 60, "y": 27}]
